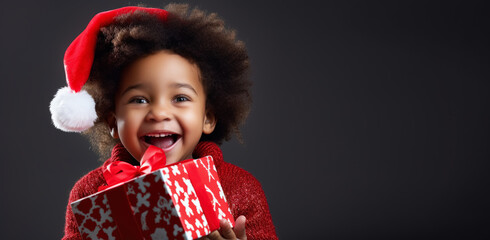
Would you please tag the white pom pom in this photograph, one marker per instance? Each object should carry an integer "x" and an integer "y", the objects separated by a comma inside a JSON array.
[{"x": 72, "y": 112}]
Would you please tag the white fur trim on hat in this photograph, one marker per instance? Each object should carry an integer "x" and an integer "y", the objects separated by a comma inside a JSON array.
[{"x": 72, "y": 112}]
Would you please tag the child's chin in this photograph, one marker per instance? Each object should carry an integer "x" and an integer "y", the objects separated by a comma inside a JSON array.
[
  {"x": 172, "y": 160},
  {"x": 175, "y": 157}
]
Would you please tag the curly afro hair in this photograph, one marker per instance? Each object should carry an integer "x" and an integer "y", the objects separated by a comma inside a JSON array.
[{"x": 199, "y": 37}]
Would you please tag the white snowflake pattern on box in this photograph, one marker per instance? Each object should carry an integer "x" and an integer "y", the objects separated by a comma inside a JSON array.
[{"x": 164, "y": 204}]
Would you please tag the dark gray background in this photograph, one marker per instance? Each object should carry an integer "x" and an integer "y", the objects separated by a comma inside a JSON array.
[{"x": 370, "y": 119}]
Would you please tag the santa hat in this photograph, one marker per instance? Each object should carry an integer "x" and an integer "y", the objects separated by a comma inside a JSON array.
[{"x": 73, "y": 109}]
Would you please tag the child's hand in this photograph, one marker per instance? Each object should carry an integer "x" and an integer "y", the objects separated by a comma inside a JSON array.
[{"x": 226, "y": 232}]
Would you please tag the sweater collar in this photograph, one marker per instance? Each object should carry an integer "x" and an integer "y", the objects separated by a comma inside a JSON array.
[{"x": 119, "y": 153}]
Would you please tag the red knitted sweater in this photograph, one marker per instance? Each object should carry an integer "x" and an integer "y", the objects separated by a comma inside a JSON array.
[{"x": 243, "y": 192}]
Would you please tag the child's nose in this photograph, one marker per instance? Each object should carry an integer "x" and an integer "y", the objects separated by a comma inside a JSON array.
[{"x": 159, "y": 112}]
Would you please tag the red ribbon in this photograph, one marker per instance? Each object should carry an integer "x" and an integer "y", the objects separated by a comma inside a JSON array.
[
  {"x": 202, "y": 195},
  {"x": 127, "y": 226},
  {"x": 119, "y": 171},
  {"x": 199, "y": 177}
]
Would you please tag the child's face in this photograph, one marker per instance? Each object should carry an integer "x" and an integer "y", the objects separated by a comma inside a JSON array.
[{"x": 161, "y": 101}]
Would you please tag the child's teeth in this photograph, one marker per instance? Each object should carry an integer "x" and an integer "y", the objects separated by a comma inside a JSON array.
[{"x": 158, "y": 135}]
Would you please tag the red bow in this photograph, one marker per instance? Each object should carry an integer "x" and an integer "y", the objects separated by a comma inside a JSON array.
[{"x": 119, "y": 171}]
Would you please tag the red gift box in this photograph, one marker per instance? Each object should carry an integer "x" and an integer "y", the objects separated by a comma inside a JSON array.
[{"x": 180, "y": 201}]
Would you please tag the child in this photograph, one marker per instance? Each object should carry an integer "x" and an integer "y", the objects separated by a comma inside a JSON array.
[{"x": 170, "y": 78}]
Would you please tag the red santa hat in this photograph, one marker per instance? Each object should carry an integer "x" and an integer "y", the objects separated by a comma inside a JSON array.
[{"x": 73, "y": 109}]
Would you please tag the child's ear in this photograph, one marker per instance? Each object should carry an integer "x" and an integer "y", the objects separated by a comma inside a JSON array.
[
  {"x": 111, "y": 122},
  {"x": 209, "y": 123}
]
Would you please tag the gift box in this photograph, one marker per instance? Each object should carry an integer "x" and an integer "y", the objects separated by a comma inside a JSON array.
[{"x": 179, "y": 201}]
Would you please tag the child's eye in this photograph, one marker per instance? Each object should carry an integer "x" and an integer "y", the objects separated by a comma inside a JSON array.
[
  {"x": 138, "y": 100},
  {"x": 181, "y": 99}
]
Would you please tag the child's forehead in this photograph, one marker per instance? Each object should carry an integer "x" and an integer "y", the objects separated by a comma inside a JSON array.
[
  {"x": 162, "y": 62},
  {"x": 163, "y": 68}
]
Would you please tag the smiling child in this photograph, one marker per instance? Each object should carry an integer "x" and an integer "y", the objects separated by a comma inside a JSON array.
[
  {"x": 161, "y": 102},
  {"x": 175, "y": 79}
]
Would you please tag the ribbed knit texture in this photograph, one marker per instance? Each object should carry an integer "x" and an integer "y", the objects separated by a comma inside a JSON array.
[{"x": 243, "y": 192}]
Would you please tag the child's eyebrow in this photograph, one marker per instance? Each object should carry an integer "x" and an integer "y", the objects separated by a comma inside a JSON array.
[
  {"x": 184, "y": 85},
  {"x": 136, "y": 86},
  {"x": 174, "y": 85}
]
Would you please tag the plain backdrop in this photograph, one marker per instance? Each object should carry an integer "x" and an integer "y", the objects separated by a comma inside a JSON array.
[{"x": 370, "y": 118}]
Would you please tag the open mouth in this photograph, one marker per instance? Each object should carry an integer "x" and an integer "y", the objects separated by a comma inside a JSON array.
[{"x": 163, "y": 140}]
